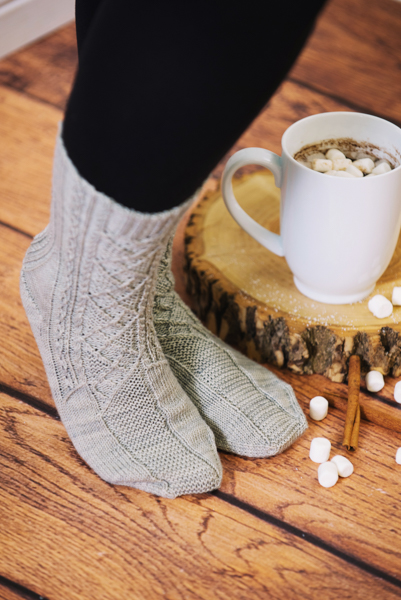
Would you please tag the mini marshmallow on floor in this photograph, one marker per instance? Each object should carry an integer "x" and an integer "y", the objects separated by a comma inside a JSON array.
[
  {"x": 380, "y": 306},
  {"x": 320, "y": 450},
  {"x": 327, "y": 474},
  {"x": 344, "y": 466},
  {"x": 398, "y": 456},
  {"x": 374, "y": 381},
  {"x": 318, "y": 408},
  {"x": 397, "y": 392},
  {"x": 396, "y": 297}
]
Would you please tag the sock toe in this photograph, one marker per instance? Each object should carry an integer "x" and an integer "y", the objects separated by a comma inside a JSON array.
[
  {"x": 246, "y": 419},
  {"x": 250, "y": 411}
]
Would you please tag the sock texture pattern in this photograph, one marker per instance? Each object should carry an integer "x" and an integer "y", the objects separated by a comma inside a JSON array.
[
  {"x": 87, "y": 285},
  {"x": 250, "y": 410}
]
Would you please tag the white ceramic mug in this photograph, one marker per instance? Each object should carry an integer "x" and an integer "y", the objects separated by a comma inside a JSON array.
[{"x": 337, "y": 234}]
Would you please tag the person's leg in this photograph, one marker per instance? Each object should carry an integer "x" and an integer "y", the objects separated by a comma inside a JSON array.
[
  {"x": 88, "y": 281},
  {"x": 87, "y": 285},
  {"x": 193, "y": 84},
  {"x": 85, "y": 11},
  {"x": 196, "y": 81},
  {"x": 164, "y": 89},
  {"x": 250, "y": 411}
]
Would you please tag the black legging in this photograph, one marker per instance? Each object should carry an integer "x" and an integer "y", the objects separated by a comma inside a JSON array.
[{"x": 164, "y": 88}]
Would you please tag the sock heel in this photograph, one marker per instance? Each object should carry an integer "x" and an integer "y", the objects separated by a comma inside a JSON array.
[{"x": 36, "y": 290}]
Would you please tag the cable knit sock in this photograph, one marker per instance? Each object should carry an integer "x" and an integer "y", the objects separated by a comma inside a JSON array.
[
  {"x": 250, "y": 410},
  {"x": 87, "y": 285}
]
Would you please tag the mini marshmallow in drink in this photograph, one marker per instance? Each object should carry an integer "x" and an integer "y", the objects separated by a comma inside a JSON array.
[
  {"x": 316, "y": 155},
  {"x": 344, "y": 174},
  {"x": 333, "y": 153},
  {"x": 366, "y": 165},
  {"x": 382, "y": 168},
  {"x": 354, "y": 171},
  {"x": 340, "y": 164},
  {"x": 322, "y": 165},
  {"x": 380, "y": 161}
]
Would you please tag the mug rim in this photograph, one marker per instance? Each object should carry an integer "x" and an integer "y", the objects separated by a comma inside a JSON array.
[{"x": 294, "y": 125}]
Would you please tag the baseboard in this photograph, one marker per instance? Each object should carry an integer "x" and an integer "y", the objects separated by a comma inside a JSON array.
[{"x": 23, "y": 21}]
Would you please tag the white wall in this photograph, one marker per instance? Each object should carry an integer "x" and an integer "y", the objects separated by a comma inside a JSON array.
[{"x": 23, "y": 21}]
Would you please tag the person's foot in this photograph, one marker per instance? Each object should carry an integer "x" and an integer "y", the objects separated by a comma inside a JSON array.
[
  {"x": 87, "y": 285},
  {"x": 250, "y": 410}
]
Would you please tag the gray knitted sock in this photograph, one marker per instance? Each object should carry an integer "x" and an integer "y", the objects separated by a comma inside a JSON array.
[
  {"x": 250, "y": 410},
  {"x": 87, "y": 285}
]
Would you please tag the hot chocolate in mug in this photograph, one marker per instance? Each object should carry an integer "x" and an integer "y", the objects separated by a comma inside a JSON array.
[{"x": 337, "y": 234}]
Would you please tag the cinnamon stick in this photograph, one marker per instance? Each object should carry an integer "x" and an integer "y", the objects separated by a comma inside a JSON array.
[
  {"x": 355, "y": 430},
  {"x": 353, "y": 416}
]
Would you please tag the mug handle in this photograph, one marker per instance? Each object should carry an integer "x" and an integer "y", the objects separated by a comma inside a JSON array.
[{"x": 264, "y": 158}]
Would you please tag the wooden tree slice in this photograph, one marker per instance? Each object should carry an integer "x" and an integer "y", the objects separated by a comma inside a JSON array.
[{"x": 246, "y": 295}]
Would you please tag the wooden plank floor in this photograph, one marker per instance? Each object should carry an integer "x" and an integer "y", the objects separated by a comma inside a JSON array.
[{"x": 270, "y": 531}]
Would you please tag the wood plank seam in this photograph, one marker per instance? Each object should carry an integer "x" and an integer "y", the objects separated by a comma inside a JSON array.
[
  {"x": 20, "y": 590},
  {"x": 339, "y": 98},
  {"x": 262, "y": 515},
  {"x": 307, "y": 537},
  {"x": 30, "y": 400},
  {"x": 379, "y": 398},
  {"x": 31, "y": 96},
  {"x": 52, "y": 411},
  {"x": 27, "y": 235}
]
